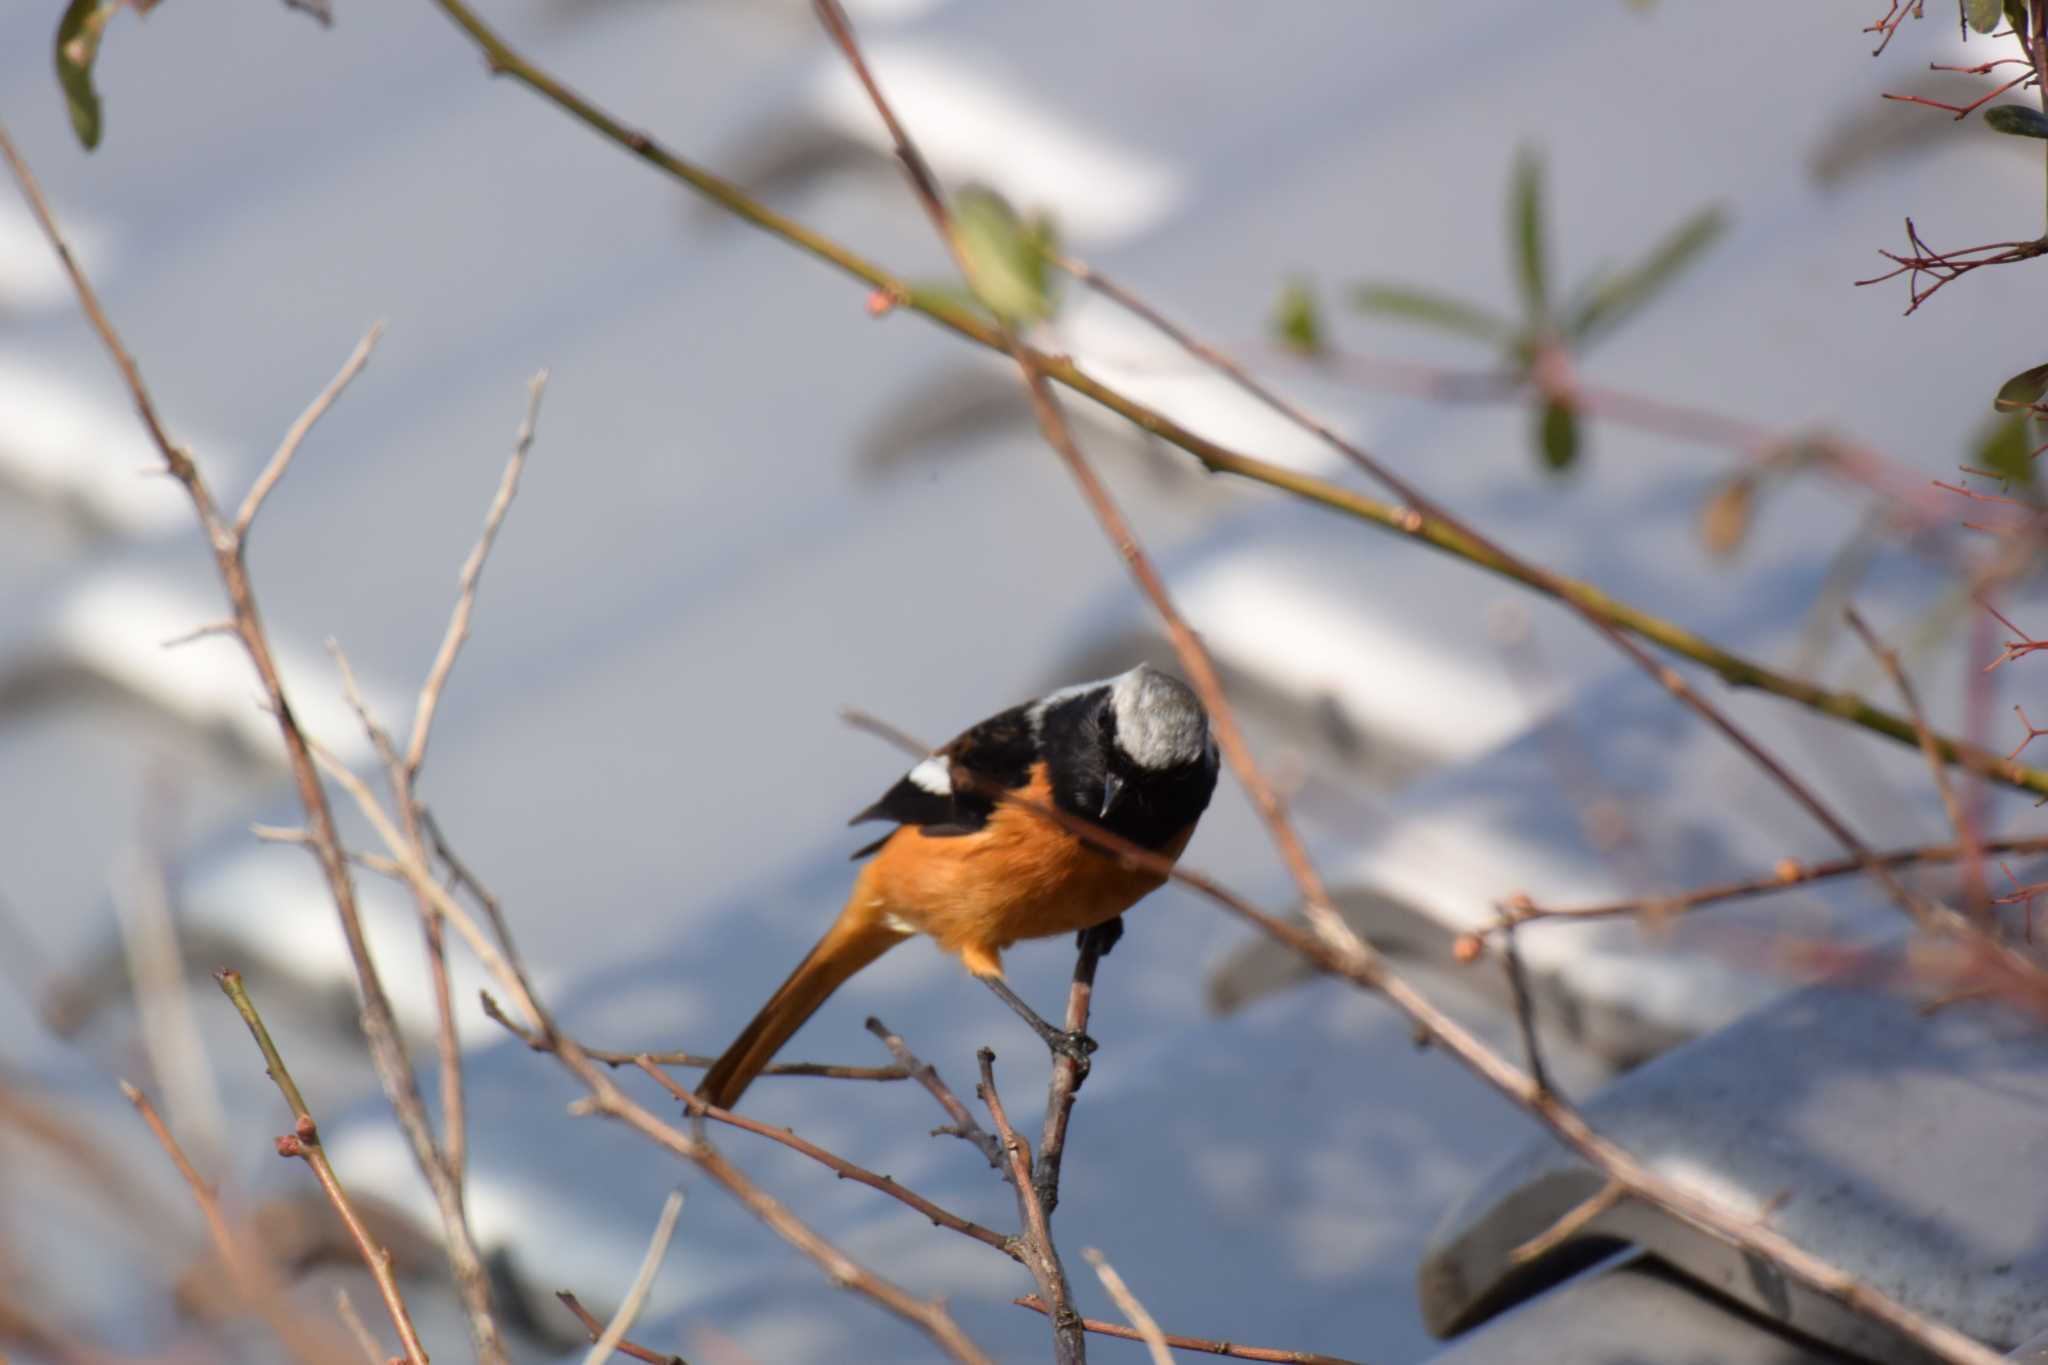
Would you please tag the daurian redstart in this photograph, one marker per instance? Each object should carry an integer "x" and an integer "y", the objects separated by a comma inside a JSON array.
[{"x": 1132, "y": 754}]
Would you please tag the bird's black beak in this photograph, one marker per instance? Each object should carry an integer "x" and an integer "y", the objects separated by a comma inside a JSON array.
[{"x": 1112, "y": 788}]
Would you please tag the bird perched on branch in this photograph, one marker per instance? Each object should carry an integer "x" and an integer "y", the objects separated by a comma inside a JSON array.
[{"x": 1132, "y": 754}]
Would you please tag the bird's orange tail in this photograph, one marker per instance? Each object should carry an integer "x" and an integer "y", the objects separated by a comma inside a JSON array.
[{"x": 855, "y": 939}]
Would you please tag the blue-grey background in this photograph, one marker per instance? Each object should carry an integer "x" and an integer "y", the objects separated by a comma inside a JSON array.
[{"x": 751, "y": 503}]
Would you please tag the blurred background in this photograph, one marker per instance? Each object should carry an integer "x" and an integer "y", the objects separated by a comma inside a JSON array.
[{"x": 750, "y": 504}]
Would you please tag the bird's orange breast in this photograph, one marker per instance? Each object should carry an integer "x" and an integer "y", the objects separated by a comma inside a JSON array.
[{"x": 1019, "y": 876}]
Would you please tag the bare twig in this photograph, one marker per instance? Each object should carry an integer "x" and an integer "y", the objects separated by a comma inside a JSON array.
[
  {"x": 304, "y": 1142},
  {"x": 1052, "y": 424},
  {"x": 496, "y": 1013},
  {"x": 1733, "y": 1227},
  {"x": 1127, "y": 1303},
  {"x": 1234, "y": 1350},
  {"x": 925, "y": 1074},
  {"x": 1789, "y": 873},
  {"x": 281, "y": 459},
  {"x": 594, "y": 1329},
  {"x": 1041, "y": 1257},
  {"x": 1974, "y": 887},
  {"x": 1569, "y": 1226},
  {"x": 838, "y": 1165},
  {"x": 366, "y": 1341},
  {"x": 965, "y": 321},
  {"x": 1590, "y": 608},
  {"x": 388, "y": 1055},
  {"x": 472, "y": 576},
  {"x": 636, "y": 1296},
  {"x": 1525, "y": 1004},
  {"x": 156, "y": 968},
  {"x": 255, "y": 1283},
  {"x": 1067, "y": 1074},
  {"x": 387, "y": 1052},
  {"x": 930, "y": 1316}
]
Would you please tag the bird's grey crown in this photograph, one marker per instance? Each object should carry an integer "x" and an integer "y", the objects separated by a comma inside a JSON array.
[{"x": 1159, "y": 722}]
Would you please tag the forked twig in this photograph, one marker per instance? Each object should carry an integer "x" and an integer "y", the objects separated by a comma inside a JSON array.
[{"x": 304, "y": 1142}]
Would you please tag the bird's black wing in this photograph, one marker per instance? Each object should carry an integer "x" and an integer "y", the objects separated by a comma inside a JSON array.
[{"x": 1000, "y": 749}]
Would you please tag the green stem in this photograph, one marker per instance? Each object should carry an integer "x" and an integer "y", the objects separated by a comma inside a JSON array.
[
  {"x": 1732, "y": 668},
  {"x": 273, "y": 1063}
]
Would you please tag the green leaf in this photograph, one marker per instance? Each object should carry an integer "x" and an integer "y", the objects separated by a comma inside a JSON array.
[
  {"x": 1557, "y": 436},
  {"x": 2023, "y": 390},
  {"x": 2017, "y": 120},
  {"x": 1622, "y": 293},
  {"x": 1427, "y": 309},
  {"x": 2016, "y": 15},
  {"x": 1297, "y": 322},
  {"x": 1525, "y": 228},
  {"x": 1983, "y": 15},
  {"x": 2007, "y": 449},
  {"x": 78, "y": 44},
  {"x": 1007, "y": 265}
]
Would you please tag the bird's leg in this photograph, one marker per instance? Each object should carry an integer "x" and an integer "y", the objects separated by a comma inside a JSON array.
[
  {"x": 1105, "y": 936},
  {"x": 1075, "y": 1047}
]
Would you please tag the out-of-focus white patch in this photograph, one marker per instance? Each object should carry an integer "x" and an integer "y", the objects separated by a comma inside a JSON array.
[
  {"x": 116, "y": 624},
  {"x": 272, "y": 900},
  {"x": 934, "y": 775},
  {"x": 972, "y": 127},
  {"x": 61, "y": 443},
  {"x": 1128, "y": 353},
  {"x": 891, "y": 11},
  {"x": 1427, "y": 691},
  {"x": 590, "y": 1240},
  {"x": 31, "y": 277}
]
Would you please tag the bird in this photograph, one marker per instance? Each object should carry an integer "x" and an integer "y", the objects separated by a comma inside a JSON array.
[{"x": 1132, "y": 754}]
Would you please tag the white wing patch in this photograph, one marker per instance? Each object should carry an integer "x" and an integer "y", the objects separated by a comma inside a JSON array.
[{"x": 933, "y": 775}]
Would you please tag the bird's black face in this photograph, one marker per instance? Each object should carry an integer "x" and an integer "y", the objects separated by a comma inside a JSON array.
[{"x": 1132, "y": 754}]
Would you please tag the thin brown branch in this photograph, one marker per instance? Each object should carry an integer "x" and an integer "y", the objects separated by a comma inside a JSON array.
[
  {"x": 1569, "y": 1226},
  {"x": 1234, "y": 1350},
  {"x": 594, "y": 1329},
  {"x": 493, "y": 910},
  {"x": 366, "y": 1341},
  {"x": 643, "y": 1282},
  {"x": 304, "y": 1142},
  {"x": 838, "y": 1165},
  {"x": 472, "y": 576},
  {"x": 1974, "y": 887},
  {"x": 1052, "y": 423},
  {"x": 496, "y": 1013},
  {"x": 1589, "y": 609},
  {"x": 963, "y": 1125},
  {"x": 1146, "y": 1326},
  {"x": 1041, "y": 1257},
  {"x": 930, "y": 1316},
  {"x": 942, "y": 308},
  {"x": 1788, "y": 874},
  {"x": 1068, "y": 1074},
  {"x": 281, "y": 458},
  {"x": 1525, "y": 1002},
  {"x": 1439, "y": 1028},
  {"x": 388, "y": 1055},
  {"x": 255, "y": 1282}
]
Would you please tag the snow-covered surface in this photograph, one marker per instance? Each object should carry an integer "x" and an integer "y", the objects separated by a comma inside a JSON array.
[{"x": 640, "y": 750}]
